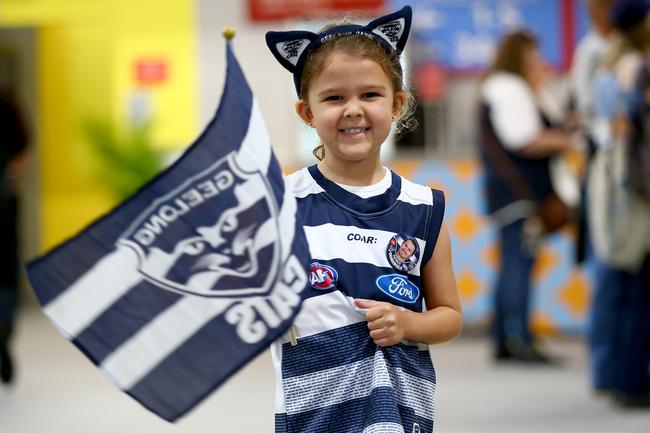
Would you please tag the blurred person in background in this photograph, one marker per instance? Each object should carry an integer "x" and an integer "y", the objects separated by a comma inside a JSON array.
[
  {"x": 587, "y": 58},
  {"x": 517, "y": 142},
  {"x": 589, "y": 55},
  {"x": 13, "y": 141},
  {"x": 619, "y": 211}
]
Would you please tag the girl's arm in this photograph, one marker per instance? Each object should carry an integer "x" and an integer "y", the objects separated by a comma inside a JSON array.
[{"x": 443, "y": 319}]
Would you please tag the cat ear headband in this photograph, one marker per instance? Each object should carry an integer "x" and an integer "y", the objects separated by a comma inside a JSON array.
[{"x": 292, "y": 47}]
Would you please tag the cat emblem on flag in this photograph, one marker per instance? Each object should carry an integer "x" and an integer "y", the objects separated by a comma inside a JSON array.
[{"x": 217, "y": 255}]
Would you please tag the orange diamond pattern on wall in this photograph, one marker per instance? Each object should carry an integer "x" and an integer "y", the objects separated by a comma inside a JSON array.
[
  {"x": 405, "y": 167},
  {"x": 465, "y": 170},
  {"x": 466, "y": 224},
  {"x": 491, "y": 255},
  {"x": 542, "y": 324},
  {"x": 468, "y": 285},
  {"x": 544, "y": 264},
  {"x": 575, "y": 294}
]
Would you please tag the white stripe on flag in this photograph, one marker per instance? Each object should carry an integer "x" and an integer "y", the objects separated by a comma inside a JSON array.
[
  {"x": 287, "y": 223},
  {"x": 255, "y": 154},
  {"x": 255, "y": 151},
  {"x": 357, "y": 380},
  {"x": 325, "y": 240},
  {"x": 94, "y": 292},
  {"x": 154, "y": 342}
]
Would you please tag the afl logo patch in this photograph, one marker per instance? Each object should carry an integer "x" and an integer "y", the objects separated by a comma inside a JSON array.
[
  {"x": 398, "y": 287},
  {"x": 322, "y": 277},
  {"x": 403, "y": 252}
]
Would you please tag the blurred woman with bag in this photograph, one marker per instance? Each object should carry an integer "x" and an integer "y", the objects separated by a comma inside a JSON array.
[{"x": 518, "y": 140}]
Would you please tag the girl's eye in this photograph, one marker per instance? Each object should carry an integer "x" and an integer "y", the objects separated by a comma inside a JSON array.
[
  {"x": 370, "y": 95},
  {"x": 333, "y": 98}
]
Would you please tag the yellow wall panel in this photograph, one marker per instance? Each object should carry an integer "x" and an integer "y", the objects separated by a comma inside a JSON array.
[{"x": 86, "y": 55}]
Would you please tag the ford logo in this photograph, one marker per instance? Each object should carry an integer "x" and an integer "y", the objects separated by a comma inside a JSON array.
[{"x": 398, "y": 287}]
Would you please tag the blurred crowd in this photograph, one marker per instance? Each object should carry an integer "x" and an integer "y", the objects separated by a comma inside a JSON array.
[{"x": 524, "y": 139}]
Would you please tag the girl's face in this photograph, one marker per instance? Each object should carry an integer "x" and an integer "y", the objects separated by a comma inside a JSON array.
[{"x": 351, "y": 103}]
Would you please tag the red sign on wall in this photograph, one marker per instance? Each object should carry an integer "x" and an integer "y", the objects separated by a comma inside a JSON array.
[
  {"x": 150, "y": 71},
  {"x": 272, "y": 10},
  {"x": 430, "y": 82}
]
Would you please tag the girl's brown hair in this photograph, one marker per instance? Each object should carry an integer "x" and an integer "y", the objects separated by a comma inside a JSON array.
[{"x": 366, "y": 48}]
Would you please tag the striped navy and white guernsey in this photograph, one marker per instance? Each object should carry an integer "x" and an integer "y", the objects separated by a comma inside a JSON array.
[{"x": 335, "y": 379}]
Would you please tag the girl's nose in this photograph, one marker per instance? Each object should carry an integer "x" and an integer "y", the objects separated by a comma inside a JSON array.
[{"x": 353, "y": 109}]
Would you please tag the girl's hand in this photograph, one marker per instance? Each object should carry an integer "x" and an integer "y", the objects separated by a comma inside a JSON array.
[{"x": 385, "y": 321}]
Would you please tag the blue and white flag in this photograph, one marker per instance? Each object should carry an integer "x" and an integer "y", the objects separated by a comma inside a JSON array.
[{"x": 188, "y": 280}]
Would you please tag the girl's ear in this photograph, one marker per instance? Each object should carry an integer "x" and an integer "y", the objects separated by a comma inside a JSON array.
[
  {"x": 399, "y": 102},
  {"x": 303, "y": 110}
]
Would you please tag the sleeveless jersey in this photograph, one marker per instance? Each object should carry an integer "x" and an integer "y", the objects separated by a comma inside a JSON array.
[{"x": 336, "y": 379}]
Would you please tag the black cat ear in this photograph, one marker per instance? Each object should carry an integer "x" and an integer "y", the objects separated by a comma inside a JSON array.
[
  {"x": 288, "y": 47},
  {"x": 393, "y": 28}
]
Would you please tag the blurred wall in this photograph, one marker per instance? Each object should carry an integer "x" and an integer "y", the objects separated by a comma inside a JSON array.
[
  {"x": 86, "y": 54},
  {"x": 272, "y": 85}
]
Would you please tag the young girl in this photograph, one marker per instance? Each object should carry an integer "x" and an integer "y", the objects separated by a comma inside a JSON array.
[{"x": 382, "y": 285}]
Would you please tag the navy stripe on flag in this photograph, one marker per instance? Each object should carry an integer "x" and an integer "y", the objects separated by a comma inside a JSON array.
[{"x": 125, "y": 317}]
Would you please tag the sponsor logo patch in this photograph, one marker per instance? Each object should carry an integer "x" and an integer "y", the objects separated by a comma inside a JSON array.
[
  {"x": 398, "y": 287},
  {"x": 322, "y": 276}
]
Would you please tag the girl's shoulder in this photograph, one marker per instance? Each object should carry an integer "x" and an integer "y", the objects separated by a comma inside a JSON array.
[
  {"x": 416, "y": 193},
  {"x": 301, "y": 183}
]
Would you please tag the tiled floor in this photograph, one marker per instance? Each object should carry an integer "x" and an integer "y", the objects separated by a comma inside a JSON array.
[{"x": 59, "y": 391}]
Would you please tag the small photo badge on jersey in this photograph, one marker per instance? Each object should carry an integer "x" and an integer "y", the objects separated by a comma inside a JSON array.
[
  {"x": 322, "y": 277},
  {"x": 403, "y": 252}
]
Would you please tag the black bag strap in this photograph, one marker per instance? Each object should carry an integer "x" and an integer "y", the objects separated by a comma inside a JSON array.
[{"x": 504, "y": 165}]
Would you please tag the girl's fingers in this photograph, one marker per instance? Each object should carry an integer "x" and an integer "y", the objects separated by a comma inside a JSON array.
[
  {"x": 384, "y": 342},
  {"x": 374, "y": 324},
  {"x": 379, "y": 310},
  {"x": 374, "y": 314},
  {"x": 383, "y": 333},
  {"x": 365, "y": 303}
]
